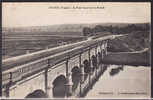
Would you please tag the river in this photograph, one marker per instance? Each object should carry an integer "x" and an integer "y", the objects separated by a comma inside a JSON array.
[{"x": 131, "y": 82}]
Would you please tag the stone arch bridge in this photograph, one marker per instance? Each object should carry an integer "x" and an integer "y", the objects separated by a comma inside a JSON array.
[{"x": 65, "y": 71}]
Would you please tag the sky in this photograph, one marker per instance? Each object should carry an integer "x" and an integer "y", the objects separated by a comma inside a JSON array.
[{"x": 42, "y": 14}]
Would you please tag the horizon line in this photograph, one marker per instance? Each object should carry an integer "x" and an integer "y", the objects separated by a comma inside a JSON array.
[{"x": 80, "y": 24}]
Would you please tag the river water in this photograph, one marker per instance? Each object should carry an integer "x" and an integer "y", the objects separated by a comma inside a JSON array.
[{"x": 131, "y": 82}]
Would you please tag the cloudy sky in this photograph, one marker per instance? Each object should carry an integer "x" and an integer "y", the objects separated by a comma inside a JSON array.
[{"x": 39, "y": 14}]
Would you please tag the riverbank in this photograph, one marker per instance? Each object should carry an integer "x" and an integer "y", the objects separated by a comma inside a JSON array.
[{"x": 131, "y": 82}]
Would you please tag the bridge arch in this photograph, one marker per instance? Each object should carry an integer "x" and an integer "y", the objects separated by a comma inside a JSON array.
[
  {"x": 87, "y": 68},
  {"x": 59, "y": 88},
  {"x": 76, "y": 75},
  {"x": 37, "y": 94},
  {"x": 94, "y": 61},
  {"x": 99, "y": 58},
  {"x": 86, "y": 64}
]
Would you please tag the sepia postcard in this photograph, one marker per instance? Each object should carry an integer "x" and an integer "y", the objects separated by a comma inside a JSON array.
[{"x": 76, "y": 50}]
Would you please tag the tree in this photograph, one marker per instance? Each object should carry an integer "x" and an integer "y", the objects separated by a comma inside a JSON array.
[
  {"x": 98, "y": 28},
  {"x": 87, "y": 31}
]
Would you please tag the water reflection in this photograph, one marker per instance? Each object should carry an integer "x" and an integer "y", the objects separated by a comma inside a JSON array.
[{"x": 128, "y": 79}]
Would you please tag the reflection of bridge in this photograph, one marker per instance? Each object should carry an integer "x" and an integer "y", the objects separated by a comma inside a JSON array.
[{"x": 65, "y": 71}]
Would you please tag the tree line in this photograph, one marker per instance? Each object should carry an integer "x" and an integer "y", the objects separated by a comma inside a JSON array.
[{"x": 87, "y": 31}]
